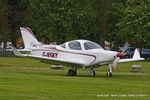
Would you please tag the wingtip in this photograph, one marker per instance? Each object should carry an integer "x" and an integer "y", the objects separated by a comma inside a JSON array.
[{"x": 136, "y": 54}]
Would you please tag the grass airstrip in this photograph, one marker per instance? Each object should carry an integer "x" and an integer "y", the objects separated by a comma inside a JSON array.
[{"x": 30, "y": 79}]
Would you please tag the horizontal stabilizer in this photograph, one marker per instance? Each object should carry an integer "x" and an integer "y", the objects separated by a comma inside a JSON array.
[{"x": 17, "y": 53}]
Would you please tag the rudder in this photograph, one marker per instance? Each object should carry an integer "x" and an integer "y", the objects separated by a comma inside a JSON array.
[{"x": 28, "y": 37}]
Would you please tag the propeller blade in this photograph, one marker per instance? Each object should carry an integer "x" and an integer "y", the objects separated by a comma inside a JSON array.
[
  {"x": 115, "y": 62},
  {"x": 119, "y": 55},
  {"x": 125, "y": 47}
]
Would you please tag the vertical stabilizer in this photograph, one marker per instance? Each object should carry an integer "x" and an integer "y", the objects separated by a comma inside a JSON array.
[{"x": 28, "y": 38}]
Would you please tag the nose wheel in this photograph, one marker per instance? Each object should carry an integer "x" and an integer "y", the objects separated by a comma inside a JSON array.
[{"x": 109, "y": 74}]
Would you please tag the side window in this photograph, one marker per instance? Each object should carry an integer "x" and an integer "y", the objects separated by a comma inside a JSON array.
[
  {"x": 74, "y": 45},
  {"x": 63, "y": 45}
]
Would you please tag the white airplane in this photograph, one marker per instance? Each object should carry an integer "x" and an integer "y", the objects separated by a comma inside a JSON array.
[{"x": 76, "y": 53}]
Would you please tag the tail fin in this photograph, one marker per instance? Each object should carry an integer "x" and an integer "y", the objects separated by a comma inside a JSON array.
[{"x": 28, "y": 38}]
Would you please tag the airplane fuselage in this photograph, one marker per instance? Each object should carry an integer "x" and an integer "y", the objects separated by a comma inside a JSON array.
[{"x": 84, "y": 57}]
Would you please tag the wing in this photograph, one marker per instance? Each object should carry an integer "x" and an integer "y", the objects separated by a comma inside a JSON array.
[
  {"x": 54, "y": 60},
  {"x": 60, "y": 61},
  {"x": 136, "y": 57}
]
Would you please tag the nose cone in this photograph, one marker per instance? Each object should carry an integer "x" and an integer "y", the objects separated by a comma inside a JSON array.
[{"x": 120, "y": 54}]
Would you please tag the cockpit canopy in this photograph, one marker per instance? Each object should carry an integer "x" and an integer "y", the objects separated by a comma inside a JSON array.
[
  {"x": 91, "y": 45},
  {"x": 81, "y": 45},
  {"x": 76, "y": 45}
]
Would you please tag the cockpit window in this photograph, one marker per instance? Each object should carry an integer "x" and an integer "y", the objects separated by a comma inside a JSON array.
[
  {"x": 74, "y": 45},
  {"x": 91, "y": 45},
  {"x": 63, "y": 45}
]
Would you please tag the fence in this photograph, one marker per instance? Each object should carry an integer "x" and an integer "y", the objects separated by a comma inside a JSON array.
[{"x": 6, "y": 53}]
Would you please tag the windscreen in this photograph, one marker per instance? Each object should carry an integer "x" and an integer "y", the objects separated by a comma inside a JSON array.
[{"x": 91, "y": 45}]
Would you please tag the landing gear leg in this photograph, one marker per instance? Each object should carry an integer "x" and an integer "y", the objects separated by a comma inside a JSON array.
[
  {"x": 109, "y": 74},
  {"x": 91, "y": 72},
  {"x": 72, "y": 72}
]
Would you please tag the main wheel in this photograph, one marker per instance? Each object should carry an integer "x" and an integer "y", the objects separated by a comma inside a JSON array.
[
  {"x": 109, "y": 74},
  {"x": 72, "y": 72},
  {"x": 93, "y": 73}
]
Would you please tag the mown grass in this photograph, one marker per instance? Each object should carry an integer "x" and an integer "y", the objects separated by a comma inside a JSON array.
[{"x": 20, "y": 79}]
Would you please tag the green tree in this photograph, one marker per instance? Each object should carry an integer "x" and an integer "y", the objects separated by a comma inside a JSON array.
[
  {"x": 136, "y": 23},
  {"x": 4, "y": 21},
  {"x": 102, "y": 8},
  {"x": 117, "y": 12},
  {"x": 17, "y": 13},
  {"x": 12, "y": 14},
  {"x": 61, "y": 20}
]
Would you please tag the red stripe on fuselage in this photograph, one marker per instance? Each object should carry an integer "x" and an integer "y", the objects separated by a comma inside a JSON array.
[{"x": 54, "y": 48}]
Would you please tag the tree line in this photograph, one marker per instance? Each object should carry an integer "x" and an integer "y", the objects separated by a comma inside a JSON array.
[{"x": 115, "y": 21}]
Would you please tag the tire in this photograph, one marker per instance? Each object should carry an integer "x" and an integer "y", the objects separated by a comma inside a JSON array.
[
  {"x": 93, "y": 73},
  {"x": 72, "y": 72},
  {"x": 109, "y": 74},
  {"x": 75, "y": 72}
]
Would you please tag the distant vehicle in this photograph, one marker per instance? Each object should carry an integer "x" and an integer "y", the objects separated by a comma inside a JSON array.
[
  {"x": 129, "y": 52},
  {"x": 145, "y": 53}
]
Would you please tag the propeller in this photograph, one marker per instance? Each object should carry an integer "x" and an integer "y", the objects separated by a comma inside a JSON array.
[
  {"x": 119, "y": 55},
  {"x": 125, "y": 47}
]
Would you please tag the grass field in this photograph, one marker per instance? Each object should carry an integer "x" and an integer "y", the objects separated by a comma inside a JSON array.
[{"x": 30, "y": 79}]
